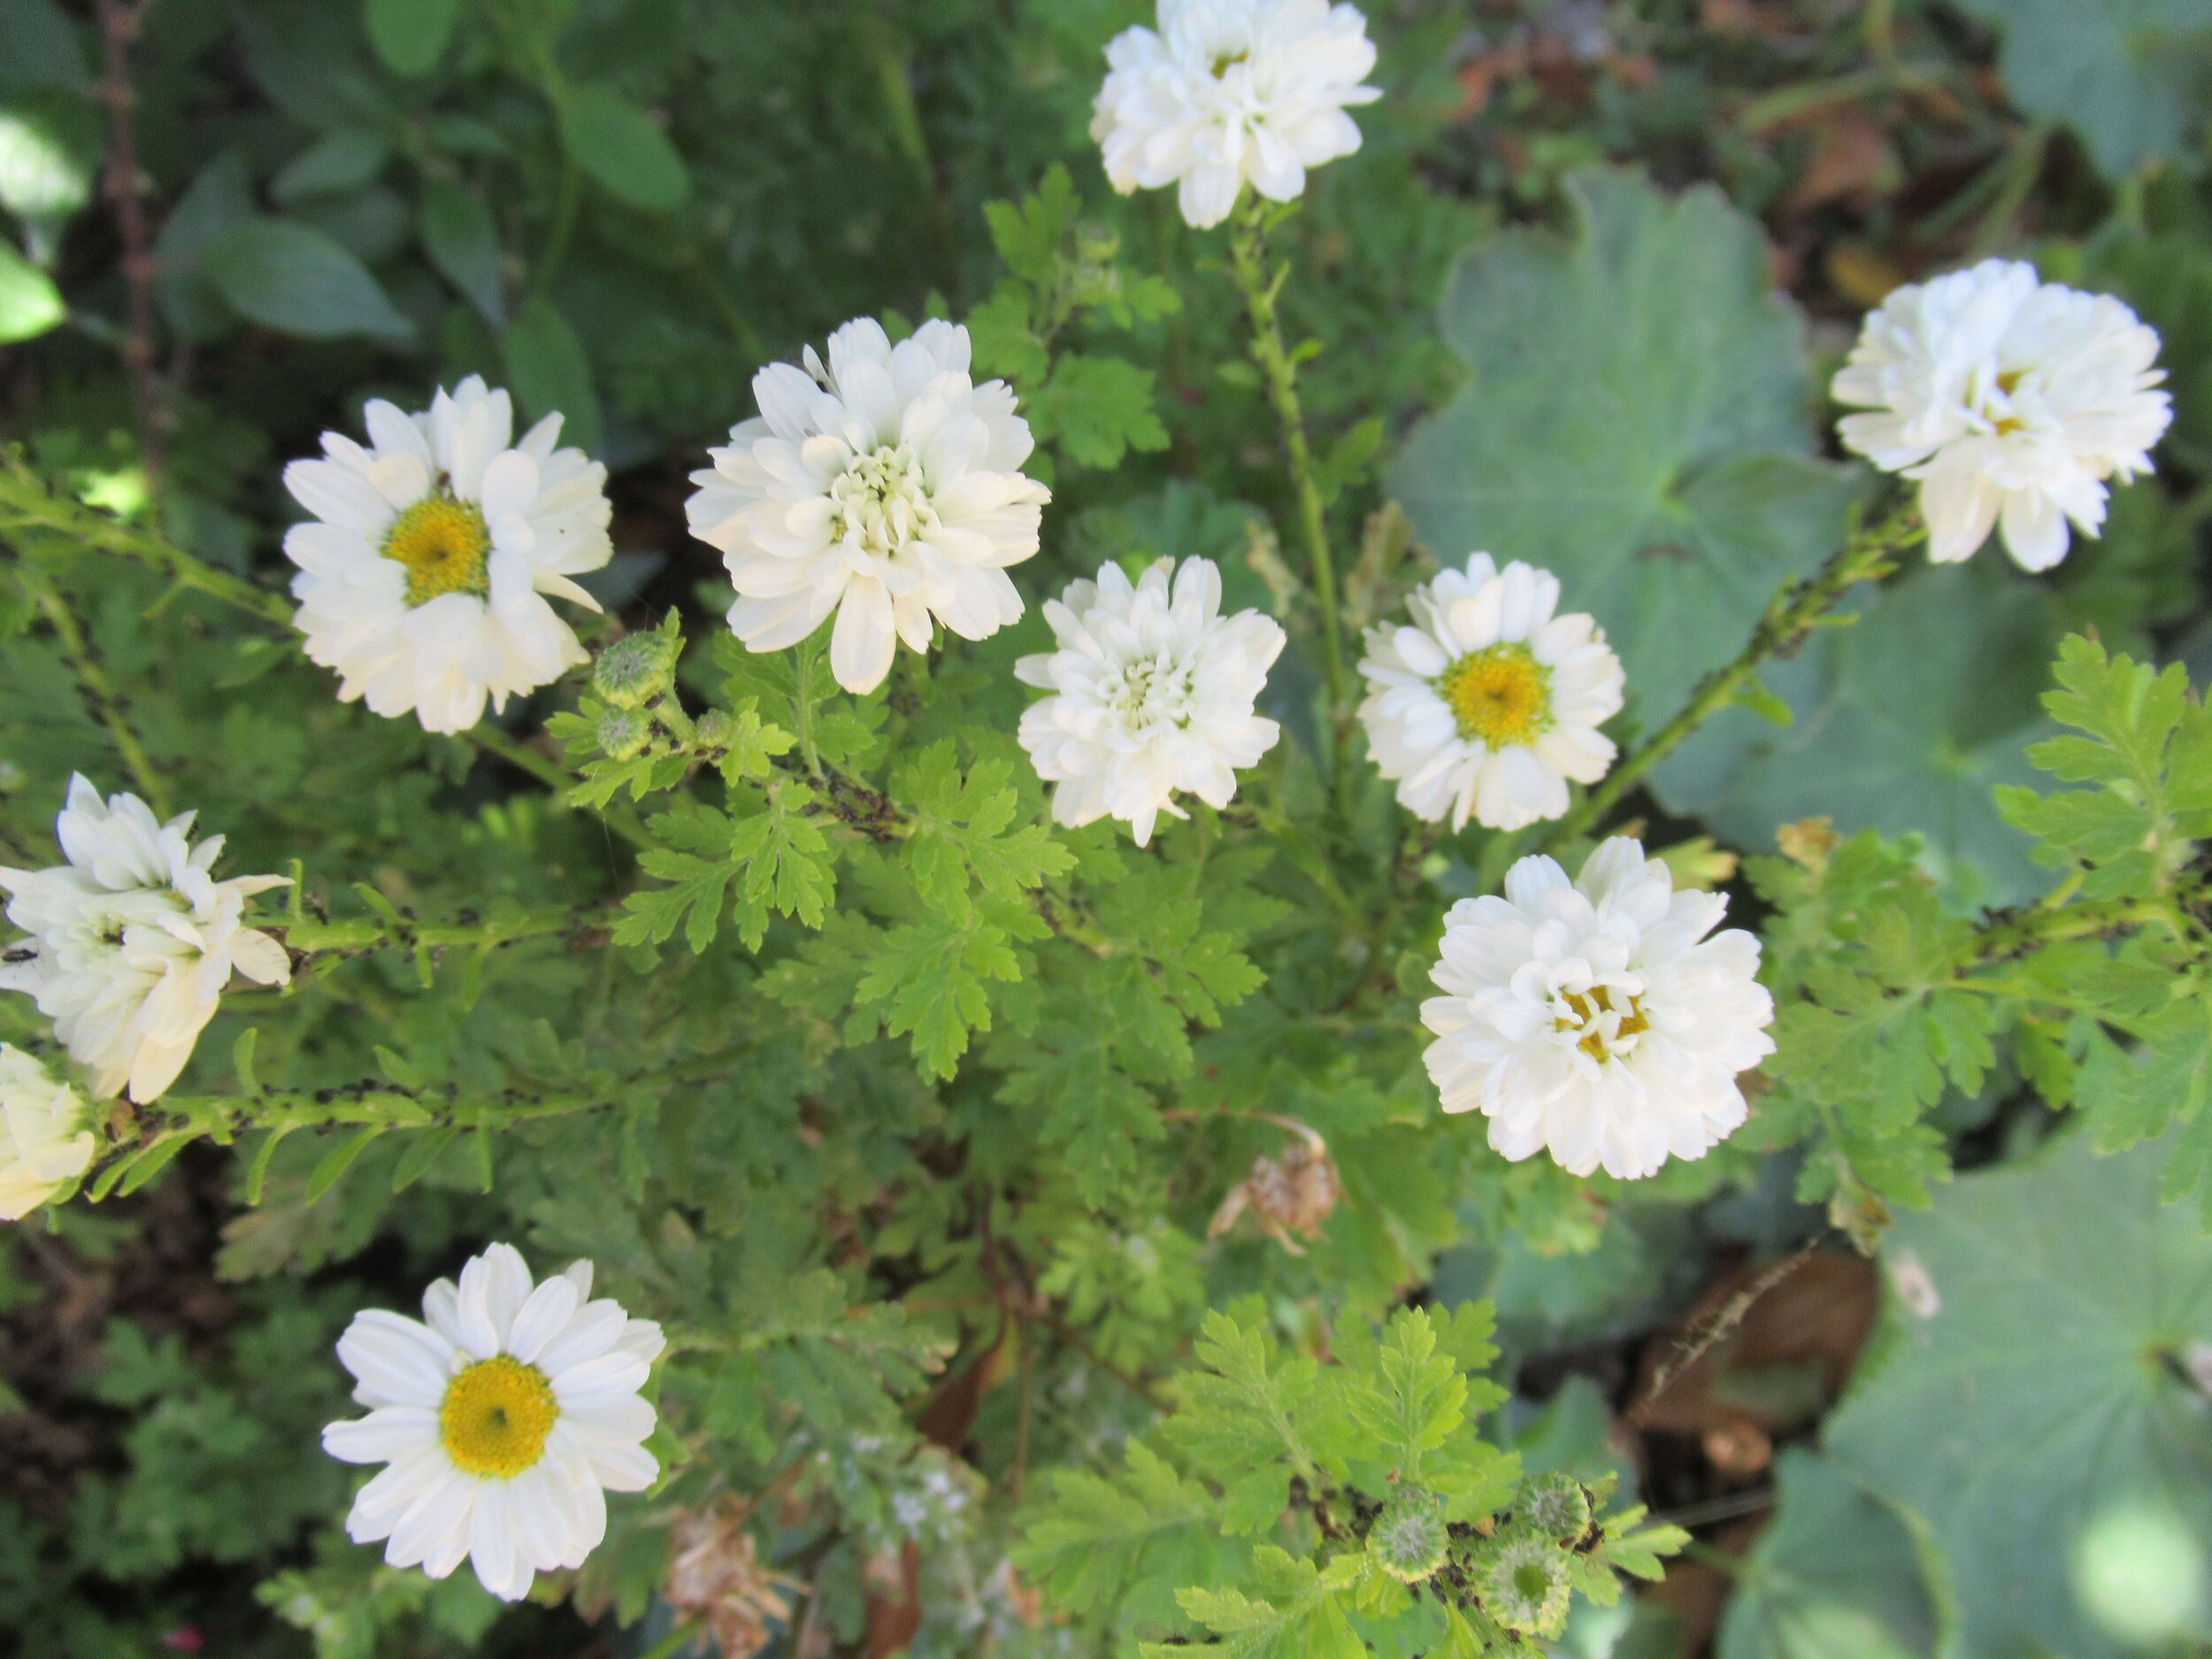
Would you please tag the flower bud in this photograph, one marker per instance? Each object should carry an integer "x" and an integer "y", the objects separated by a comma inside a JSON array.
[
  {"x": 635, "y": 669},
  {"x": 1554, "y": 1506},
  {"x": 1409, "y": 1538},
  {"x": 622, "y": 734},
  {"x": 1523, "y": 1584}
]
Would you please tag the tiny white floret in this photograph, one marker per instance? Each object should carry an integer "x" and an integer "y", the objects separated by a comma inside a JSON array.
[
  {"x": 504, "y": 1415},
  {"x": 1229, "y": 90},
  {"x": 1600, "y": 1019},
  {"x": 2011, "y": 400},
  {"x": 1153, "y": 693}
]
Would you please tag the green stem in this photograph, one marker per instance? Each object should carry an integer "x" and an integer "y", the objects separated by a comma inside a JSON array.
[
  {"x": 1248, "y": 262},
  {"x": 356, "y": 935},
  {"x": 1868, "y": 554},
  {"x": 26, "y": 504},
  {"x": 98, "y": 689}
]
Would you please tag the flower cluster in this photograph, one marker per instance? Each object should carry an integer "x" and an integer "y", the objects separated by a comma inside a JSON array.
[
  {"x": 132, "y": 942},
  {"x": 422, "y": 576},
  {"x": 1486, "y": 703},
  {"x": 1153, "y": 690},
  {"x": 504, "y": 1415},
  {"x": 1227, "y": 91},
  {"x": 44, "y": 1144},
  {"x": 1594, "y": 1018},
  {"x": 884, "y": 485},
  {"x": 2011, "y": 400}
]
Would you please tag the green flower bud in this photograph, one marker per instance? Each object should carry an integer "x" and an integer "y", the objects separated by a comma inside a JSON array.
[
  {"x": 1409, "y": 1538},
  {"x": 715, "y": 729},
  {"x": 1523, "y": 1584},
  {"x": 635, "y": 669},
  {"x": 622, "y": 734},
  {"x": 1556, "y": 1506}
]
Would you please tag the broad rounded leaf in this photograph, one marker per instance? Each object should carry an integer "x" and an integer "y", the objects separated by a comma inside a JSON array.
[
  {"x": 410, "y": 35},
  {"x": 29, "y": 303},
  {"x": 623, "y": 150},
  {"x": 2123, "y": 74},
  {"x": 1905, "y": 721},
  {"x": 548, "y": 372},
  {"x": 1635, "y": 422},
  {"x": 1834, "y": 1575},
  {"x": 2033, "y": 1405},
  {"x": 618, "y": 145},
  {"x": 334, "y": 163},
  {"x": 294, "y": 279},
  {"x": 463, "y": 242},
  {"x": 50, "y": 140}
]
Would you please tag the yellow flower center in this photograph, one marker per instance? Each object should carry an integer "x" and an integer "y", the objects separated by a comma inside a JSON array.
[
  {"x": 495, "y": 1417},
  {"x": 1588, "y": 1007},
  {"x": 1501, "y": 694},
  {"x": 443, "y": 543}
]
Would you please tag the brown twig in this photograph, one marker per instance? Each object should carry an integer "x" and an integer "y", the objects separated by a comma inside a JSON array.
[{"x": 118, "y": 27}]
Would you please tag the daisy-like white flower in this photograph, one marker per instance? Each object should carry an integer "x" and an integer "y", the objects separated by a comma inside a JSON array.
[
  {"x": 132, "y": 941},
  {"x": 1153, "y": 690},
  {"x": 887, "y": 487},
  {"x": 422, "y": 576},
  {"x": 2011, "y": 400},
  {"x": 1596, "y": 1018},
  {"x": 505, "y": 1414},
  {"x": 45, "y": 1142},
  {"x": 1485, "y": 704},
  {"x": 1228, "y": 90}
]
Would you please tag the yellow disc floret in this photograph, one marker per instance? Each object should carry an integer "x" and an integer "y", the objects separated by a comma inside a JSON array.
[
  {"x": 443, "y": 543},
  {"x": 1500, "y": 695},
  {"x": 495, "y": 1416}
]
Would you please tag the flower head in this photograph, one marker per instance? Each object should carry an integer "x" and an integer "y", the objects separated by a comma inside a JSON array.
[
  {"x": 884, "y": 485},
  {"x": 1596, "y": 1018},
  {"x": 2011, "y": 400},
  {"x": 1486, "y": 704},
  {"x": 504, "y": 1415},
  {"x": 1409, "y": 1537},
  {"x": 44, "y": 1143},
  {"x": 132, "y": 942},
  {"x": 1523, "y": 1583},
  {"x": 1228, "y": 90},
  {"x": 423, "y": 573},
  {"x": 1153, "y": 690}
]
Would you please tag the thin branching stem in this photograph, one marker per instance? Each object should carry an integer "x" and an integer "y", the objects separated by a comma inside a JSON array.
[{"x": 1869, "y": 554}]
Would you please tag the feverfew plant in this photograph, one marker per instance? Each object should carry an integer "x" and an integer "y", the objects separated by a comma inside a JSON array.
[{"x": 1035, "y": 1121}]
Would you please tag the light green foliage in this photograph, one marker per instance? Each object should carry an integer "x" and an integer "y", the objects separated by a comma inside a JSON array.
[
  {"x": 1635, "y": 422},
  {"x": 1835, "y": 1576},
  {"x": 1058, "y": 1238},
  {"x": 2123, "y": 74},
  {"x": 1062, "y": 271},
  {"x": 1366, "y": 1463},
  {"x": 2044, "y": 1316},
  {"x": 1904, "y": 722}
]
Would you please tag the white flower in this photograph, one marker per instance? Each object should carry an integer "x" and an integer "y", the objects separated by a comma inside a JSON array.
[
  {"x": 132, "y": 942},
  {"x": 1153, "y": 693},
  {"x": 44, "y": 1143},
  {"x": 1486, "y": 704},
  {"x": 504, "y": 1419},
  {"x": 886, "y": 487},
  {"x": 1596, "y": 1018},
  {"x": 2011, "y": 400},
  {"x": 423, "y": 573},
  {"x": 1228, "y": 90}
]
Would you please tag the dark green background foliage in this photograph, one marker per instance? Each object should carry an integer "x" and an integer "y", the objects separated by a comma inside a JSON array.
[{"x": 908, "y": 1113}]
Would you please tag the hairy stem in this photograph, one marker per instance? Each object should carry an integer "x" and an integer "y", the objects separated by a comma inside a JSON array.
[
  {"x": 118, "y": 23},
  {"x": 1260, "y": 287},
  {"x": 1869, "y": 554}
]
